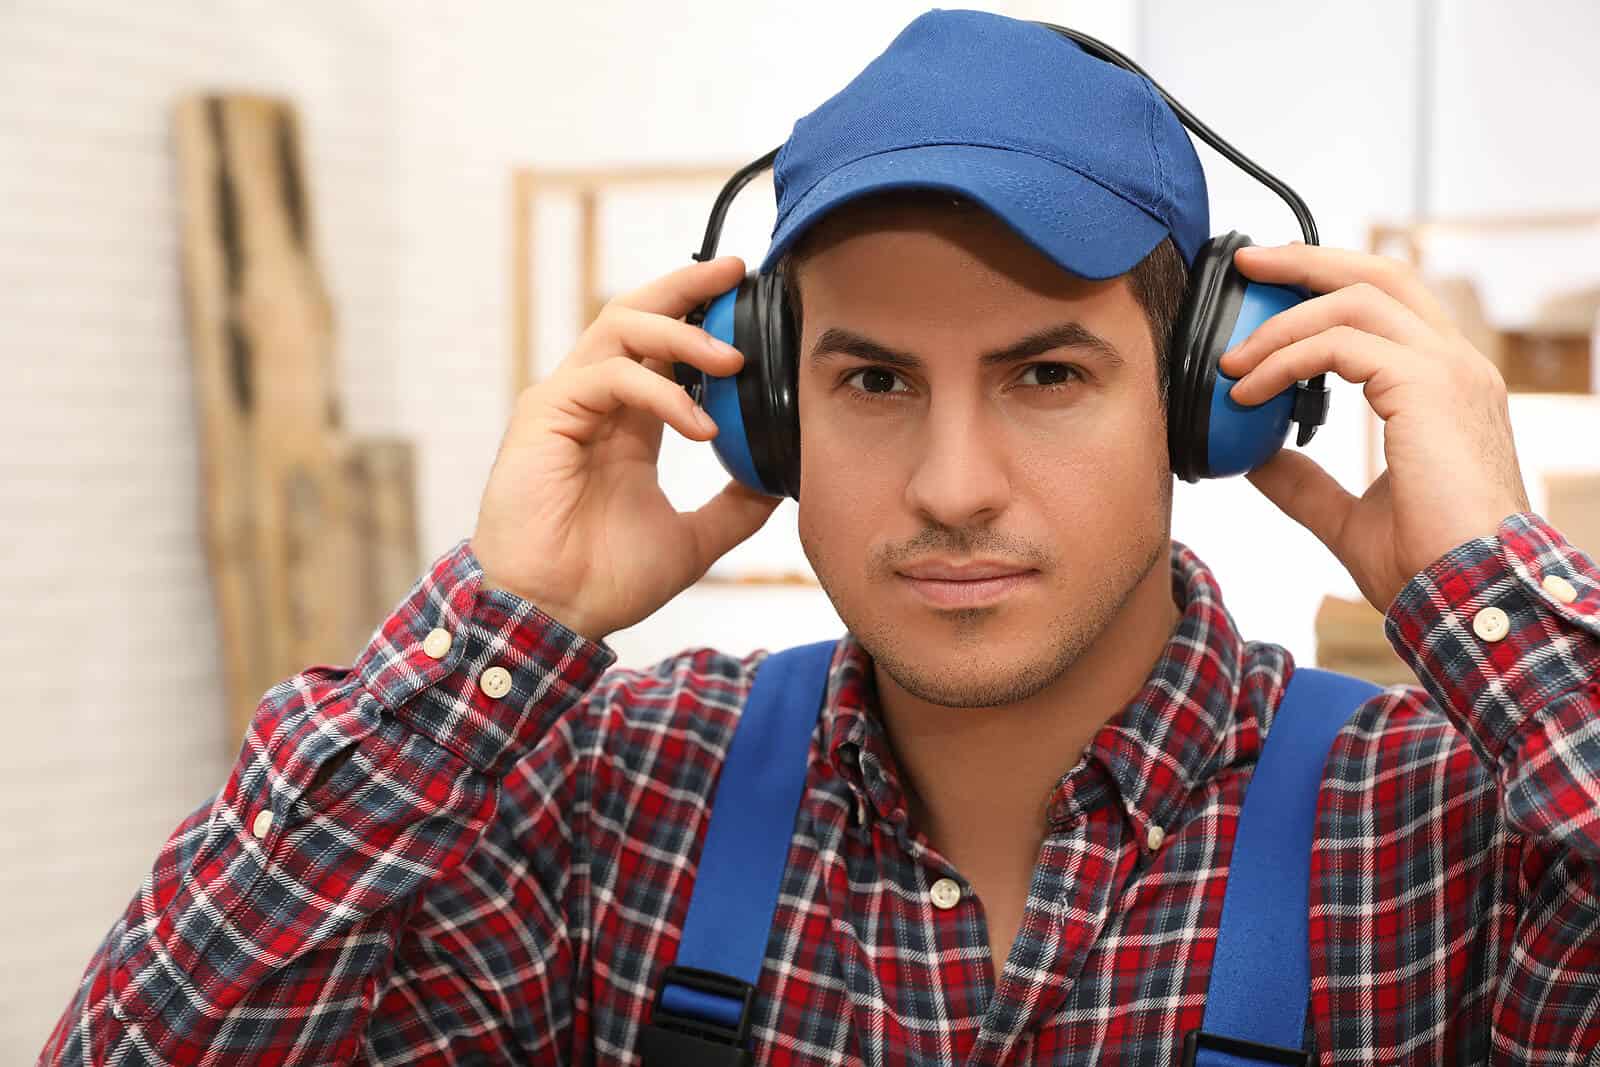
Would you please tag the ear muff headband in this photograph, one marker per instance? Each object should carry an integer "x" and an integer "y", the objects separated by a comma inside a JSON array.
[{"x": 1208, "y": 434}]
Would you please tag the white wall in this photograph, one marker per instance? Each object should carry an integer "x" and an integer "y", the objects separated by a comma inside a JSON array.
[
  {"x": 1325, "y": 97},
  {"x": 414, "y": 115}
]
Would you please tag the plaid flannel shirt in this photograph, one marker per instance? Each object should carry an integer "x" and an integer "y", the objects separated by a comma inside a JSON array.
[{"x": 403, "y": 868}]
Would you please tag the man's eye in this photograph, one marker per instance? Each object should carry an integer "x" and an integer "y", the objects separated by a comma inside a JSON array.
[
  {"x": 1051, "y": 374},
  {"x": 875, "y": 380}
]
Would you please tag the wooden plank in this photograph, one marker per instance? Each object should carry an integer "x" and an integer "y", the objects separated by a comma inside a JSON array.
[
  {"x": 380, "y": 480},
  {"x": 278, "y": 532}
]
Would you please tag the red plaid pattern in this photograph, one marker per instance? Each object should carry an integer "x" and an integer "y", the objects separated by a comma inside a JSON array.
[{"x": 453, "y": 878}]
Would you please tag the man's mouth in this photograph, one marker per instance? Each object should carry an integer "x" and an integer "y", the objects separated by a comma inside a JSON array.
[{"x": 965, "y": 584}]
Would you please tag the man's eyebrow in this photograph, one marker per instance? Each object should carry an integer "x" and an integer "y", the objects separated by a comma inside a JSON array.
[{"x": 836, "y": 340}]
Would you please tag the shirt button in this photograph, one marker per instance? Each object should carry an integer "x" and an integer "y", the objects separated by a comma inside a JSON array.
[
  {"x": 496, "y": 681},
  {"x": 1559, "y": 588},
  {"x": 262, "y": 824},
  {"x": 437, "y": 643},
  {"x": 945, "y": 894},
  {"x": 1154, "y": 837},
  {"x": 1491, "y": 624}
]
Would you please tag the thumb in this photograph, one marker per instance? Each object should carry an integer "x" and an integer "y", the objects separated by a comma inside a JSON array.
[
  {"x": 1306, "y": 493},
  {"x": 727, "y": 519}
]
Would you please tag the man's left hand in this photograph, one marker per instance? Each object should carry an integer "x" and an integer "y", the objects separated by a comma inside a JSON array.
[{"x": 1452, "y": 471}]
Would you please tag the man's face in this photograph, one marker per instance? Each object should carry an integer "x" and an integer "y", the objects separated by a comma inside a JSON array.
[{"x": 1053, "y": 460}]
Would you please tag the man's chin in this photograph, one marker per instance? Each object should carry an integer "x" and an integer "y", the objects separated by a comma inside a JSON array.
[{"x": 952, "y": 672}]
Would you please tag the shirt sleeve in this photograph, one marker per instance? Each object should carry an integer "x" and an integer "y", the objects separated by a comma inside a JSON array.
[
  {"x": 270, "y": 918},
  {"x": 1504, "y": 633}
]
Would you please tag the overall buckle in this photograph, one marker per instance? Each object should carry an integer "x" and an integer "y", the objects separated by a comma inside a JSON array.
[
  {"x": 679, "y": 1038},
  {"x": 1198, "y": 1039}
]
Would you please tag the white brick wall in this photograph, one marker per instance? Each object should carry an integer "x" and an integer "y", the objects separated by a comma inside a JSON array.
[
  {"x": 413, "y": 116},
  {"x": 113, "y": 711}
]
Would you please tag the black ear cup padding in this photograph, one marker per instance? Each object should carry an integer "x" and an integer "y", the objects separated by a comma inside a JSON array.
[
  {"x": 1205, "y": 322},
  {"x": 764, "y": 330}
]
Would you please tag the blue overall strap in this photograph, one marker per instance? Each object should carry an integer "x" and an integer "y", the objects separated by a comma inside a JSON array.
[
  {"x": 703, "y": 1008},
  {"x": 1261, "y": 974}
]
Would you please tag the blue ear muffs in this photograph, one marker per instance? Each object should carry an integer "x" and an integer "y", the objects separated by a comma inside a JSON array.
[
  {"x": 757, "y": 411},
  {"x": 1209, "y": 435}
]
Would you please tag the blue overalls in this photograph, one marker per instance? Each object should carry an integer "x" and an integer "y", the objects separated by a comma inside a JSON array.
[{"x": 1260, "y": 976}]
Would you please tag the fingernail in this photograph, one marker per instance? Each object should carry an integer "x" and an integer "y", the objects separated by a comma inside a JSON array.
[
  {"x": 720, "y": 347},
  {"x": 705, "y": 419}
]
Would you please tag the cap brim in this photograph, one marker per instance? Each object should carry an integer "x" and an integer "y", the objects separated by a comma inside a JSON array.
[{"x": 1082, "y": 226}]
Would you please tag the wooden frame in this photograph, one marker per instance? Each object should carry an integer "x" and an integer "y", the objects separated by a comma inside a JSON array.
[{"x": 588, "y": 186}]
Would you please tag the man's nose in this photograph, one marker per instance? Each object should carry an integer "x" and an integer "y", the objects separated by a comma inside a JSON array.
[{"x": 959, "y": 475}]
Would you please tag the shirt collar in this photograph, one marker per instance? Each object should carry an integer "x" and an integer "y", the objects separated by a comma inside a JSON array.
[{"x": 1195, "y": 714}]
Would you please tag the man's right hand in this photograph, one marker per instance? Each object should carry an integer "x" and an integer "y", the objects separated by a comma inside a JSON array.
[{"x": 573, "y": 518}]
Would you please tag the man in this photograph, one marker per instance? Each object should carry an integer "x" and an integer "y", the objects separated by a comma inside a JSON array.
[{"x": 477, "y": 844}]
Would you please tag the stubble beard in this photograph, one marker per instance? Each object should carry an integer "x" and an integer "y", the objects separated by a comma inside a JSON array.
[{"x": 967, "y": 680}]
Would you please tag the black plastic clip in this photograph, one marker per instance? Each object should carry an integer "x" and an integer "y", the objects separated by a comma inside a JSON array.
[
  {"x": 1310, "y": 408},
  {"x": 1197, "y": 1039},
  {"x": 676, "y": 1040}
]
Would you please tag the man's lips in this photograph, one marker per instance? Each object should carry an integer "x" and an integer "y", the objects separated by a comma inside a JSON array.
[
  {"x": 961, "y": 570},
  {"x": 980, "y": 584}
]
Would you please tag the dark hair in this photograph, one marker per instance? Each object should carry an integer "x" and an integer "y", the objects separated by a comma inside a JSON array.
[{"x": 1158, "y": 280}]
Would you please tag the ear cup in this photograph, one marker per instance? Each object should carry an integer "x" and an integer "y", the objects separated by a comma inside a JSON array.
[
  {"x": 764, "y": 331},
  {"x": 756, "y": 410},
  {"x": 1210, "y": 435}
]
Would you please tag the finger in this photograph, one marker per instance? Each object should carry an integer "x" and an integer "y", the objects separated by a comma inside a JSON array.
[
  {"x": 727, "y": 519},
  {"x": 643, "y": 335},
  {"x": 675, "y": 295},
  {"x": 1324, "y": 270},
  {"x": 1306, "y": 493},
  {"x": 585, "y": 402},
  {"x": 1362, "y": 305},
  {"x": 1352, "y": 354}
]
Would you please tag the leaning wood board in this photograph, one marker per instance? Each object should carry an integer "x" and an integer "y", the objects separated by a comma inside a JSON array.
[{"x": 287, "y": 496}]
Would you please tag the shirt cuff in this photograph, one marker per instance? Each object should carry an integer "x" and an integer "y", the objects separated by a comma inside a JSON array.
[
  {"x": 484, "y": 673},
  {"x": 1500, "y": 627}
]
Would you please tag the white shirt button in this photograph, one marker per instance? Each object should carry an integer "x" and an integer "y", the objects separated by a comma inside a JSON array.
[
  {"x": 1154, "y": 837},
  {"x": 496, "y": 681},
  {"x": 1491, "y": 624},
  {"x": 437, "y": 643},
  {"x": 262, "y": 824},
  {"x": 945, "y": 894},
  {"x": 1559, "y": 588}
]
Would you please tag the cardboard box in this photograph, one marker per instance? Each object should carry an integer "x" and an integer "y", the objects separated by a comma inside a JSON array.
[
  {"x": 1573, "y": 507},
  {"x": 1350, "y": 638}
]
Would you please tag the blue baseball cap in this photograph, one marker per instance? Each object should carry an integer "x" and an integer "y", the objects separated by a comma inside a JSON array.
[{"x": 1083, "y": 159}]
